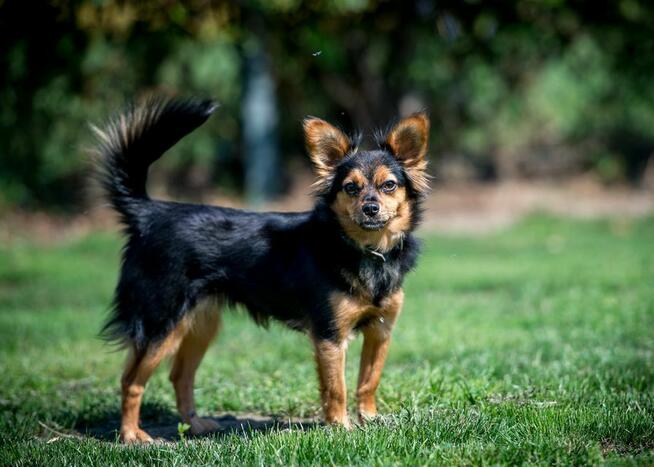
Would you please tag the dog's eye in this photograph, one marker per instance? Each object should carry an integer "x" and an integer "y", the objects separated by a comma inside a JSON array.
[
  {"x": 351, "y": 188},
  {"x": 389, "y": 186}
]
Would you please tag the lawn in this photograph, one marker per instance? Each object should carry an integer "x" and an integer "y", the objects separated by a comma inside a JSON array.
[{"x": 533, "y": 345}]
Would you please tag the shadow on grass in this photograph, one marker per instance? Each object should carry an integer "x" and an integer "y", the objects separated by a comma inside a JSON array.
[{"x": 162, "y": 425}]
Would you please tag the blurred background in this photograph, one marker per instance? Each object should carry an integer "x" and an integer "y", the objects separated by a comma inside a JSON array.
[
  {"x": 532, "y": 344},
  {"x": 536, "y": 105}
]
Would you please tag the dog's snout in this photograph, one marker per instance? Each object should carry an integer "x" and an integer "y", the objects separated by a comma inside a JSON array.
[{"x": 370, "y": 209}]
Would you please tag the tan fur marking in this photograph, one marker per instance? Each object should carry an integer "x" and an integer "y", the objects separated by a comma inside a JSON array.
[
  {"x": 355, "y": 177},
  {"x": 138, "y": 370},
  {"x": 373, "y": 357},
  {"x": 326, "y": 145},
  {"x": 206, "y": 324},
  {"x": 383, "y": 174},
  {"x": 349, "y": 310},
  {"x": 408, "y": 140},
  {"x": 330, "y": 361},
  {"x": 395, "y": 205},
  {"x": 376, "y": 339},
  {"x": 188, "y": 341},
  {"x": 402, "y": 221}
]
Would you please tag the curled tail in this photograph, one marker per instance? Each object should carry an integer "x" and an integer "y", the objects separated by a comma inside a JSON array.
[{"x": 132, "y": 141}]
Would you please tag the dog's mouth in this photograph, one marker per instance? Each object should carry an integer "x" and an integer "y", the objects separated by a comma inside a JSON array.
[{"x": 372, "y": 224}]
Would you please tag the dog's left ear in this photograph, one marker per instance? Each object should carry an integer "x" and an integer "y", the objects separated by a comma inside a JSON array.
[{"x": 408, "y": 141}]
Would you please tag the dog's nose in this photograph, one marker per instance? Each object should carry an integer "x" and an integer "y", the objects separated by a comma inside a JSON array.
[{"x": 370, "y": 209}]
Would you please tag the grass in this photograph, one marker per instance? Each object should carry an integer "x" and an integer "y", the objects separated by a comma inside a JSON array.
[{"x": 534, "y": 345}]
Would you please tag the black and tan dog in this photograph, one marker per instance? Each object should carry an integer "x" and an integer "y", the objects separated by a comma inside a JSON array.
[{"x": 328, "y": 272}]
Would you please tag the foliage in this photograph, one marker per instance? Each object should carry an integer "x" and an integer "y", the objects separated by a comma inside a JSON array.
[
  {"x": 518, "y": 88},
  {"x": 529, "y": 346}
]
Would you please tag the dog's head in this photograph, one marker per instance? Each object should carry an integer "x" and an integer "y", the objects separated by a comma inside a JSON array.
[{"x": 374, "y": 194}]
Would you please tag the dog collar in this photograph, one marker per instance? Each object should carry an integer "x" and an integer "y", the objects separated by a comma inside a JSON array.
[
  {"x": 381, "y": 255},
  {"x": 376, "y": 253}
]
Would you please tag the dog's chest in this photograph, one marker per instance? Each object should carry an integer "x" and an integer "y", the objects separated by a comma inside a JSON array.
[{"x": 374, "y": 278}]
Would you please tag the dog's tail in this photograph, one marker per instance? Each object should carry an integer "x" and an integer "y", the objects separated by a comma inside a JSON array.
[{"x": 132, "y": 141}]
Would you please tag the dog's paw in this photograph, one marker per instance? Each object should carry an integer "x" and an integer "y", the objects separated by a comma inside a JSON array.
[
  {"x": 135, "y": 436},
  {"x": 200, "y": 426},
  {"x": 366, "y": 416},
  {"x": 342, "y": 422},
  {"x": 366, "y": 410}
]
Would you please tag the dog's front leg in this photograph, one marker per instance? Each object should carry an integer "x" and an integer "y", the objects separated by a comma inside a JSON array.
[
  {"x": 330, "y": 359},
  {"x": 376, "y": 339},
  {"x": 373, "y": 356}
]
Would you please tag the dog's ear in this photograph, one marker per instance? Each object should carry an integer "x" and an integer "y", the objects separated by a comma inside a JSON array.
[
  {"x": 408, "y": 141},
  {"x": 326, "y": 144}
]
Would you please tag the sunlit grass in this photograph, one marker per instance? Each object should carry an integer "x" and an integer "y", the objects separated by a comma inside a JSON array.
[{"x": 532, "y": 345}]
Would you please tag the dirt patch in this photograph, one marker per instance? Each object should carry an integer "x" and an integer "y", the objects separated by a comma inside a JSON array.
[{"x": 480, "y": 209}]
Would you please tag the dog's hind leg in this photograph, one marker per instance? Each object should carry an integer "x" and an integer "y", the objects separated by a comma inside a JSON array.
[
  {"x": 139, "y": 368},
  {"x": 206, "y": 323}
]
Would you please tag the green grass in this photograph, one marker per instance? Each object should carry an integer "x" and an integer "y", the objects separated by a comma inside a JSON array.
[{"x": 535, "y": 345}]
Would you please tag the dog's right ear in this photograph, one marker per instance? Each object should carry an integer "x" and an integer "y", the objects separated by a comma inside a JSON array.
[{"x": 326, "y": 144}]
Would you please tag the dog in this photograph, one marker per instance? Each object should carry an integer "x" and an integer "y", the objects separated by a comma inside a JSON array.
[{"x": 328, "y": 272}]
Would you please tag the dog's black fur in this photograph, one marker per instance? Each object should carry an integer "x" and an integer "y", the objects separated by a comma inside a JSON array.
[{"x": 278, "y": 265}]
